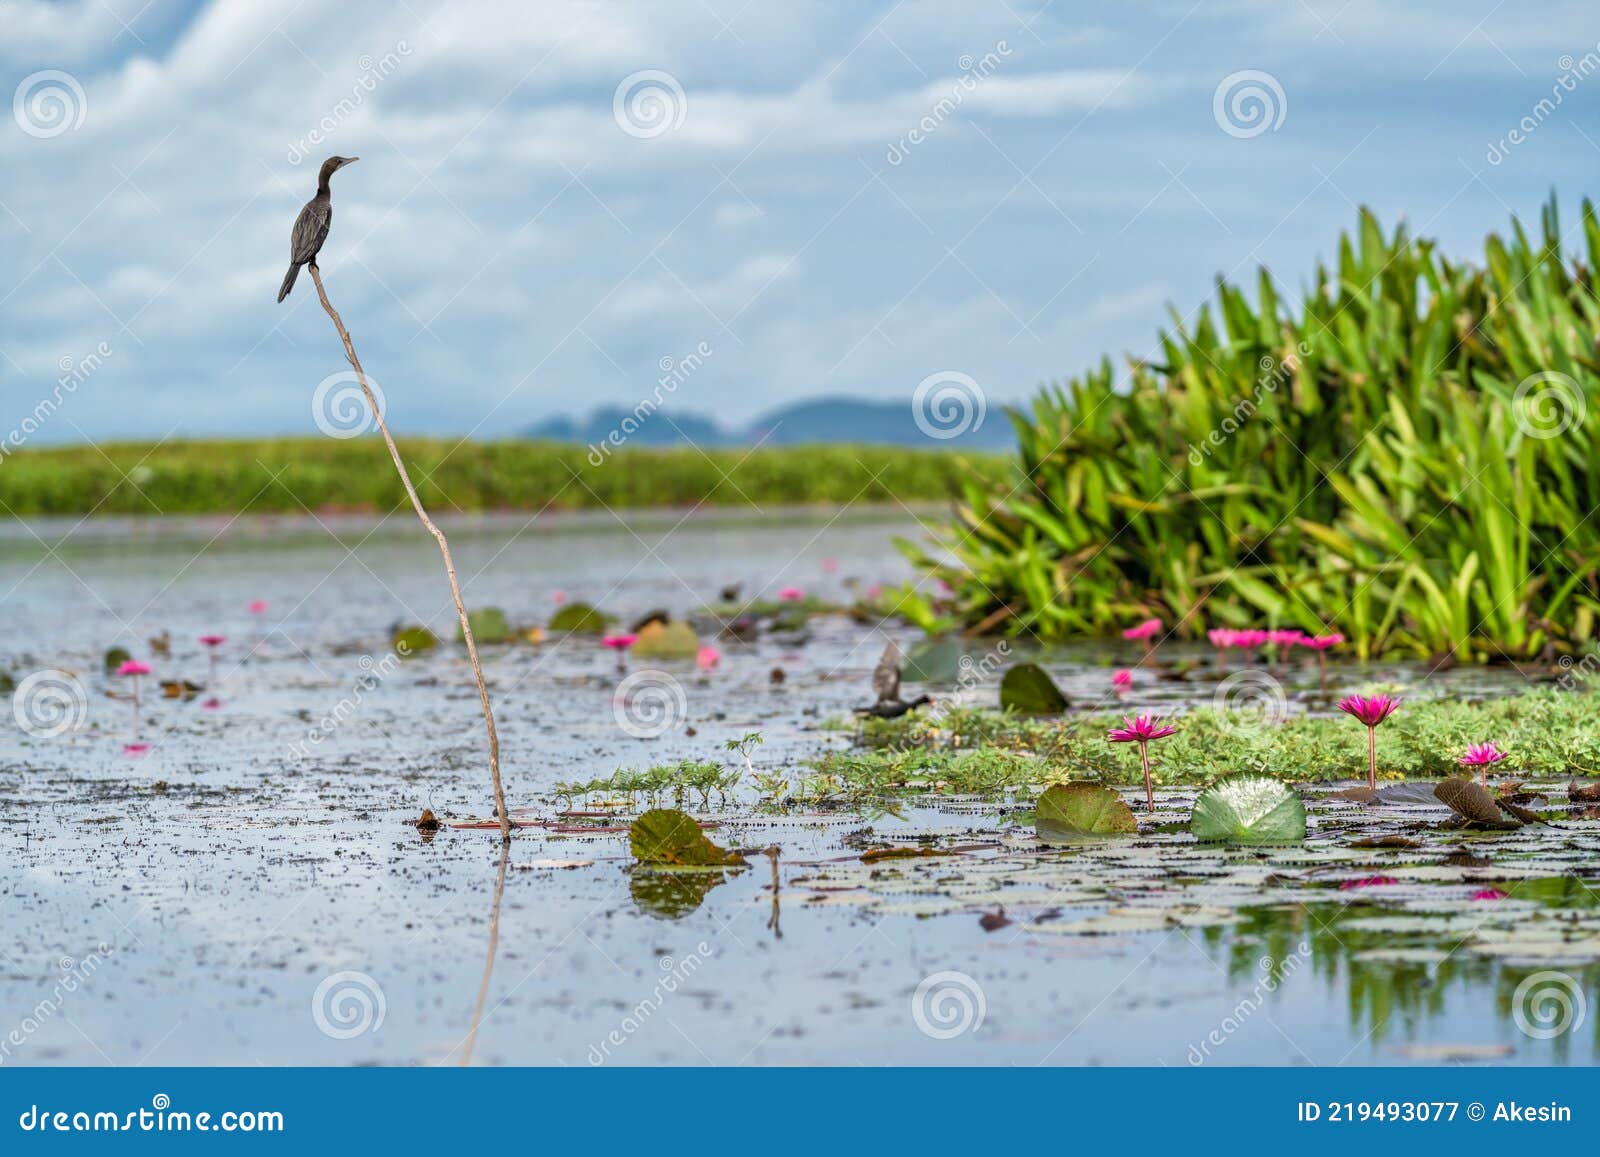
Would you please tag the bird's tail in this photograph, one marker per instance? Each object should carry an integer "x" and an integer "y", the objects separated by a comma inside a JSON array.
[{"x": 288, "y": 282}]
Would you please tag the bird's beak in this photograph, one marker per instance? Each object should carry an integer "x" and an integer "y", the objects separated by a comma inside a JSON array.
[{"x": 350, "y": 161}]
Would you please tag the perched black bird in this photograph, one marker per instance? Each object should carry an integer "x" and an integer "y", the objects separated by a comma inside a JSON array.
[
  {"x": 886, "y": 685},
  {"x": 311, "y": 227}
]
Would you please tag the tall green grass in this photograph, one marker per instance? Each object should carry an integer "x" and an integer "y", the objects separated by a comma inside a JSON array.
[
  {"x": 327, "y": 474},
  {"x": 1406, "y": 454}
]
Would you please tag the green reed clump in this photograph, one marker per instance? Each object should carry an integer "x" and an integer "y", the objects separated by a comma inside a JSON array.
[{"x": 1407, "y": 455}]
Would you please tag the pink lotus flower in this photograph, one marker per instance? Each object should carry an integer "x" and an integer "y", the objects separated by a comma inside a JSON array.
[
  {"x": 1141, "y": 730},
  {"x": 1368, "y": 882},
  {"x": 258, "y": 607},
  {"x": 133, "y": 668},
  {"x": 707, "y": 658},
  {"x": 1489, "y": 894},
  {"x": 1371, "y": 710},
  {"x": 791, "y": 594},
  {"x": 619, "y": 642},
  {"x": 1145, "y": 630},
  {"x": 1481, "y": 755},
  {"x": 1122, "y": 678},
  {"x": 1321, "y": 642}
]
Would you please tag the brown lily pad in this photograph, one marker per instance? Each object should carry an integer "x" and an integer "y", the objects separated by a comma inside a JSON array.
[{"x": 1468, "y": 800}]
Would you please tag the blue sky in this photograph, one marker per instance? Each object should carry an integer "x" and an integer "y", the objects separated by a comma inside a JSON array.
[{"x": 517, "y": 241}]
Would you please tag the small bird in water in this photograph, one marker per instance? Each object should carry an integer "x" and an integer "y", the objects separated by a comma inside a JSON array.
[
  {"x": 886, "y": 685},
  {"x": 311, "y": 227}
]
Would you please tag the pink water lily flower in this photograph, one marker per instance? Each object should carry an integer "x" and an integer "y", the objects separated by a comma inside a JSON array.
[
  {"x": 1249, "y": 640},
  {"x": 1223, "y": 637},
  {"x": 1145, "y": 630},
  {"x": 1122, "y": 678},
  {"x": 1321, "y": 642},
  {"x": 1142, "y": 729},
  {"x": 619, "y": 642},
  {"x": 133, "y": 667},
  {"x": 1285, "y": 637},
  {"x": 1371, "y": 710},
  {"x": 1489, "y": 894},
  {"x": 558, "y": 596},
  {"x": 791, "y": 594},
  {"x": 213, "y": 640},
  {"x": 830, "y": 566},
  {"x": 1368, "y": 882},
  {"x": 135, "y": 750},
  {"x": 707, "y": 658},
  {"x": 258, "y": 607},
  {"x": 1481, "y": 755}
]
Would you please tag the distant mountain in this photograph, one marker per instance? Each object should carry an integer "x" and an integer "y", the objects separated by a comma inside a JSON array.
[{"x": 834, "y": 419}]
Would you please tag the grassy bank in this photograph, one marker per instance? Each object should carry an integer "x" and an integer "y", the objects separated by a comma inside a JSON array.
[{"x": 325, "y": 474}]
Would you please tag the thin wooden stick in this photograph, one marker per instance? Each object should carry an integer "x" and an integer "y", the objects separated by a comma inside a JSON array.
[
  {"x": 444, "y": 549},
  {"x": 488, "y": 963}
]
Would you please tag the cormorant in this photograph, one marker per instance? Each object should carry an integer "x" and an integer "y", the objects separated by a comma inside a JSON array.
[
  {"x": 886, "y": 684},
  {"x": 311, "y": 227}
]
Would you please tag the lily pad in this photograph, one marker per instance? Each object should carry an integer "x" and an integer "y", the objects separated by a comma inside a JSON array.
[
  {"x": 1026, "y": 688},
  {"x": 1469, "y": 800},
  {"x": 578, "y": 617},
  {"x": 415, "y": 640},
  {"x": 489, "y": 625},
  {"x": 1084, "y": 809},
  {"x": 660, "y": 640},
  {"x": 1249, "y": 809},
  {"x": 669, "y": 836},
  {"x": 116, "y": 657}
]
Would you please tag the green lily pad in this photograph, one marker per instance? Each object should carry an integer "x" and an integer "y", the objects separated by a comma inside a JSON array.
[
  {"x": 669, "y": 836},
  {"x": 578, "y": 617},
  {"x": 1026, "y": 688},
  {"x": 489, "y": 625},
  {"x": 1249, "y": 809},
  {"x": 116, "y": 657},
  {"x": 666, "y": 641},
  {"x": 1084, "y": 809},
  {"x": 415, "y": 640}
]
